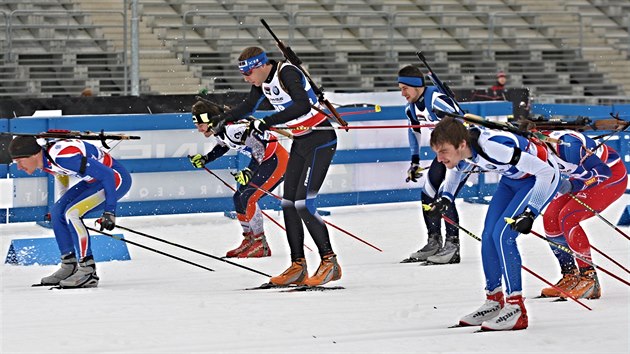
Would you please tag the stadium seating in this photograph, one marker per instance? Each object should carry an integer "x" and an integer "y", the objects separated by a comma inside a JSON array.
[{"x": 57, "y": 47}]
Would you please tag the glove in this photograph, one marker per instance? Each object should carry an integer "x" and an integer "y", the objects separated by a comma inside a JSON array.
[
  {"x": 107, "y": 221},
  {"x": 198, "y": 161},
  {"x": 257, "y": 125},
  {"x": 523, "y": 222},
  {"x": 243, "y": 177},
  {"x": 413, "y": 173},
  {"x": 565, "y": 187},
  {"x": 438, "y": 207}
]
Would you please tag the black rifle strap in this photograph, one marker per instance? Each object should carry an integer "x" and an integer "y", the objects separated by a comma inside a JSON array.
[{"x": 474, "y": 144}]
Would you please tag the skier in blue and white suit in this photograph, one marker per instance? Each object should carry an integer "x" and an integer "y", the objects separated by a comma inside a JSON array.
[
  {"x": 530, "y": 177},
  {"x": 424, "y": 107}
]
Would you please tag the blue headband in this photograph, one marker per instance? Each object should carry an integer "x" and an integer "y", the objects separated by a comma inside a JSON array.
[
  {"x": 412, "y": 81},
  {"x": 247, "y": 65}
]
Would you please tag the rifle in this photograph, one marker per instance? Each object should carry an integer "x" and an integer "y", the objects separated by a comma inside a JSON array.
[
  {"x": 580, "y": 124},
  {"x": 617, "y": 129},
  {"x": 478, "y": 120},
  {"x": 290, "y": 55},
  {"x": 441, "y": 86},
  {"x": 73, "y": 134}
]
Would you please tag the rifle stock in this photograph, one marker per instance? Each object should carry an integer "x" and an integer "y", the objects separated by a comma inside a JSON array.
[{"x": 292, "y": 58}]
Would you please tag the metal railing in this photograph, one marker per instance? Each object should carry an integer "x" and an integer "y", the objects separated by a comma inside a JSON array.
[
  {"x": 48, "y": 32},
  {"x": 5, "y": 17},
  {"x": 497, "y": 19},
  {"x": 245, "y": 21},
  {"x": 369, "y": 31},
  {"x": 392, "y": 29}
]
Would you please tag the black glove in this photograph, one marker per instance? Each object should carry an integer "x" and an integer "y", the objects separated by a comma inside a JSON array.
[
  {"x": 413, "y": 173},
  {"x": 257, "y": 125},
  {"x": 438, "y": 207},
  {"x": 107, "y": 221},
  {"x": 198, "y": 160},
  {"x": 523, "y": 222},
  {"x": 243, "y": 177}
]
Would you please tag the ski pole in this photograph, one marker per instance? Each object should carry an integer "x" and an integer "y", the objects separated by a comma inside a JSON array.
[
  {"x": 191, "y": 250},
  {"x": 610, "y": 258},
  {"x": 327, "y": 223},
  {"x": 262, "y": 211},
  {"x": 376, "y": 109},
  {"x": 607, "y": 257},
  {"x": 149, "y": 248},
  {"x": 571, "y": 252},
  {"x": 448, "y": 220},
  {"x": 588, "y": 207}
]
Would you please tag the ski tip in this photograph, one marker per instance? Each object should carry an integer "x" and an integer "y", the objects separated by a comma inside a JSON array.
[
  {"x": 429, "y": 263},
  {"x": 313, "y": 288},
  {"x": 460, "y": 325},
  {"x": 267, "y": 286}
]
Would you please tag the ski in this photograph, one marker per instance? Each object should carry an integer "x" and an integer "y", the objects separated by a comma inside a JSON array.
[
  {"x": 480, "y": 330},
  {"x": 421, "y": 262},
  {"x": 311, "y": 288},
  {"x": 459, "y": 326},
  {"x": 59, "y": 287},
  {"x": 294, "y": 288},
  {"x": 553, "y": 299},
  {"x": 269, "y": 286},
  {"x": 429, "y": 263},
  {"x": 50, "y": 286}
]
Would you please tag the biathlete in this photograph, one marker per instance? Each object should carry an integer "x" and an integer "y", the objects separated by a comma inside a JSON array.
[
  {"x": 427, "y": 105},
  {"x": 103, "y": 182},
  {"x": 289, "y": 92},
  {"x": 266, "y": 169},
  {"x": 596, "y": 176},
  {"x": 530, "y": 177}
]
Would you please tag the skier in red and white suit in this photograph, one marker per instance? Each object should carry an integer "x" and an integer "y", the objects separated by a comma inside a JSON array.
[{"x": 597, "y": 177}]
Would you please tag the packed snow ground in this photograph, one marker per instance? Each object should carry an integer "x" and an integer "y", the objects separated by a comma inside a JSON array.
[{"x": 154, "y": 304}]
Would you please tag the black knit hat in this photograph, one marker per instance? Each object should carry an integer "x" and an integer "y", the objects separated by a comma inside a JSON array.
[{"x": 23, "y": 146}]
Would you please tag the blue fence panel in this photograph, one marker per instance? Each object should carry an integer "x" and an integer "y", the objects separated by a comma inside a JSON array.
[{"x": 159, "y": 160}]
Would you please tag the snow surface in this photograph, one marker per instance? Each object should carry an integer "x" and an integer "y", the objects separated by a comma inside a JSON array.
[{"x": 154, "y": 304}]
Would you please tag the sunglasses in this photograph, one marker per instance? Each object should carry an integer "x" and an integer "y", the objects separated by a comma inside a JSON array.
[{"x": 248, "y": 73}]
